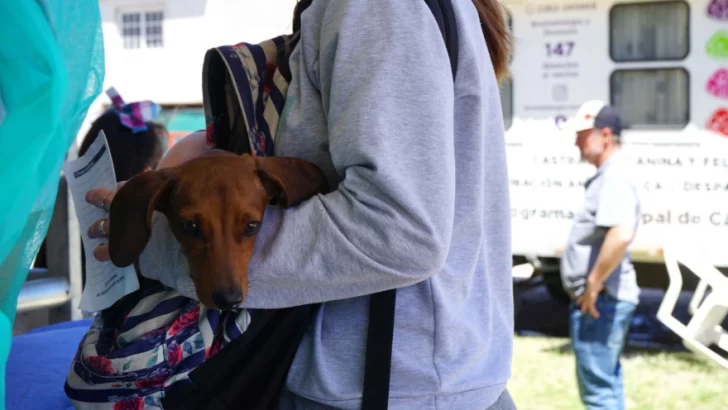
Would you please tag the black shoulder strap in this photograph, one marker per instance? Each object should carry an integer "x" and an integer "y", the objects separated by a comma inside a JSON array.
[
  {"x": 445, "y": 17},
  {"x": 380, "y": 334},
  {"x": 378, "y": 361}
]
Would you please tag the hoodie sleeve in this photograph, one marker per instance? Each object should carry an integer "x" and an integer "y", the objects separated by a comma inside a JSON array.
[{"x": 387, "y": 89}]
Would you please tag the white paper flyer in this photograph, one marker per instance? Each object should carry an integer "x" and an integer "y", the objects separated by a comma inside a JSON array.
[{"x": 105, "y": 282}]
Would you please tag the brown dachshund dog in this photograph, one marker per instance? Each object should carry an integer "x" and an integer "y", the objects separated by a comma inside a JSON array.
[{"x": 214, "y": 205}]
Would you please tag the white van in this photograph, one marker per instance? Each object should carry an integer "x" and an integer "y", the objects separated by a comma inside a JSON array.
[{"x": 664, "y": 64}]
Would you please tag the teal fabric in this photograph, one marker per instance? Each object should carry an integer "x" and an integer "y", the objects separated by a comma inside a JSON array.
[
  {"x": 52, "y": 59},
  {"x": 184, "y": 120}
]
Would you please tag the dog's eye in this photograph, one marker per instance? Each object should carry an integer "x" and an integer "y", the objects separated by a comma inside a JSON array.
[
  {"x": 252, "y": 228},
  {"x": 190, "y": 227}
]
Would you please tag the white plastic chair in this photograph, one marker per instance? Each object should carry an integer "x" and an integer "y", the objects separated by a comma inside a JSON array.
[
  {"x": 523, "y": 271},
  {"x": 704, "y": 328}
]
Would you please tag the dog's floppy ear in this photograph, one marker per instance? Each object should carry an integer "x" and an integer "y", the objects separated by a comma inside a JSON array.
[
  {"x": 290, "y": 180},
  {"x": 130, "y": 214}
]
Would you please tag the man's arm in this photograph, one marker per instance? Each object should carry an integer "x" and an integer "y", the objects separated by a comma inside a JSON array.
[
  {"x": 617, "y": 212},
  {"x": 611, "y": 253}
]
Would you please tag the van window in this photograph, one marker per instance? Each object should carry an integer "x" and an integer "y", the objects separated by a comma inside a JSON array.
[
  {"x": 652, "y": 98},
  {"x": 649, "y": 31},
  {"x": 506, "y": 97}
]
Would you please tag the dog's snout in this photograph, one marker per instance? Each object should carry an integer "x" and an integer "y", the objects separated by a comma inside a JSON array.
[{"x": 226, "y": 299}]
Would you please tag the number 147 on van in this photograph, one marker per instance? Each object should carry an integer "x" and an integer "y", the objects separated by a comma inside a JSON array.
[{"x": 562, "y": 48}]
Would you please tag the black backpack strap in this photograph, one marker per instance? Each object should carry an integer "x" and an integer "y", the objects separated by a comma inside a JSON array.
[
  {"x": 380, "y": 334},
  {"x": 445, "y": 17},
  {"x": 378, "y": 360}
]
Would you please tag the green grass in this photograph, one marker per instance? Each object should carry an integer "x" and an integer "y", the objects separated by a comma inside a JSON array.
[{"x": 543, "y": 378}]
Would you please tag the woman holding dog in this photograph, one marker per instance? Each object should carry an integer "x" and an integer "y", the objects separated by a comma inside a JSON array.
[{"x": 420, "y": 204}]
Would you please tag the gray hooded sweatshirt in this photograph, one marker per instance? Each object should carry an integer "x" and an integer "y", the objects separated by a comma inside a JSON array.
[{"x": 422, "y": 205}]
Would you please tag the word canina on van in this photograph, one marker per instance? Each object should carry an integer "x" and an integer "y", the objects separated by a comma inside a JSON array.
[{"x": 669, "y": 160}]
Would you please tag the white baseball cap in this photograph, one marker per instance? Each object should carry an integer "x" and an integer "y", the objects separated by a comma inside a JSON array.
[{"x": 584, "y": 118}]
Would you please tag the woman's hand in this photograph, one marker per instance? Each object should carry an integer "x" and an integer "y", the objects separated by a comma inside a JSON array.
[
  {"x": 187, "y": 148},
  {"x": 101, "y": 198}
]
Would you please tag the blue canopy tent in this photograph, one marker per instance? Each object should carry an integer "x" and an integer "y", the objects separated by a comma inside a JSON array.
[{"x": 52, "y": 59}]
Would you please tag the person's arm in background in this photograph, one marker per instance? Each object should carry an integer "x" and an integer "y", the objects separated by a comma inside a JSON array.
[
  {"x": 389, "y": 223},
  {"x": 184, "y": 150},
  {"x": 617, "y": 213},
  {"x": 162, "y": 258},
  {"x": 611, "y": 253}
]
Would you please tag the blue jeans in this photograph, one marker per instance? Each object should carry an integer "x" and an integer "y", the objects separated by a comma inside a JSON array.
[{"x": 597, "y": 345}]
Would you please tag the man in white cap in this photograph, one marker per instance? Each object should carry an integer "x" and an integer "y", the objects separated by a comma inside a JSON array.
[{"x": 596, "y": 268}]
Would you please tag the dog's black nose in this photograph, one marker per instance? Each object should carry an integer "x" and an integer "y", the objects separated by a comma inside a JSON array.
[{"x": 228, "y": 298}]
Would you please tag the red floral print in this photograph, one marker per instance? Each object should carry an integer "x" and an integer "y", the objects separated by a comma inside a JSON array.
[
  {"x": 136, "y": 403},
  {"x": 209, "y": 133},
  {"x": 214, "y": 348},
  {"x": 185, "y": 320},
  {"x": 270, "y": 70},
  {"x": 100, "y": 363},
  {"x": 151, "y": 382},
  {"x": 174, "y": 355}
]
